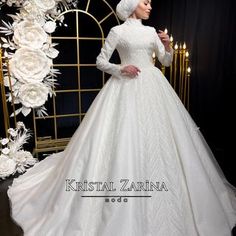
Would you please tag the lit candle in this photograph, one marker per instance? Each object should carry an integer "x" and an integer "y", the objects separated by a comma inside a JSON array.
[
  {"x": 187, "y": 54},
  {"x": 171, "y": 38},
  {"x": 154, "y": 55},
  {"x": 176, "y": 46},
  {"x": 184, "y": 46},
  {"x": 189, "y": 70},
  {"x": 165, "y": 31}
]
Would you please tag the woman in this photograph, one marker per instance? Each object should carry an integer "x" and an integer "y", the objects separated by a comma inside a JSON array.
[{"x": 137, "y": 164}]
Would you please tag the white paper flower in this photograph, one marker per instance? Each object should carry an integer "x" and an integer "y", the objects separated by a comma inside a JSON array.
[
  {"x": 12, "y": 132},
  {"x": 29, "y": 33},
  {"x": 2, "y": 155},
  {"x": 28, "y": 6},
  {"x": 33, "y": 95},
  {"x": 29, "y": 48},
  {"x": 5, "y": 151},
  {"x": 29, "y": 65},
  {"x": 50, "y": 26},
  {"x": 23, "y": 159},
  {"x": 7, "y": 166},
  {"x": 4, "y": 141},
  {"x": 21, "y": 156},
  {"x": 52, "y": 52},
  {"x": 20, "y": 125},
  {"x": 31, "y": 12},
  {"x": 45, "y": 5},
  {"x": 12, "y": 2}
]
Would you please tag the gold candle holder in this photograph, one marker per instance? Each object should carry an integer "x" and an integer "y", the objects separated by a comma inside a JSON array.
[
  {"x": 163, "y": 68},
  {"x": 186, "y": 63},
  {"x": 171, "y": 67},
  {"x": 186, "y": 77},
  {"x": 188, "y": 87},
  {"x": 180, "y": 69},
  {"x": 178, "y": 72},
  {"x": 175, "y": 64},
  {"x": 183, "y": 70}
]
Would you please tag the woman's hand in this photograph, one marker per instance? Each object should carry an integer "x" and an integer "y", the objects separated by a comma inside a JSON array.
[
  {"x": 130, "y": 70},
  {"x": 165, "y": 39}
]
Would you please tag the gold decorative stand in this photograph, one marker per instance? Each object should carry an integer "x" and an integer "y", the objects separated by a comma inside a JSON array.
[
  {"x": 3, "y": 96},
  {"x": 179, "y": 72},
  {"x": 52, "y": 141}
]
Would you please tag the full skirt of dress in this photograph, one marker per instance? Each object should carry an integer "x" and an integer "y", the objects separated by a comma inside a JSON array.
[{"x": 135, "y": 129}]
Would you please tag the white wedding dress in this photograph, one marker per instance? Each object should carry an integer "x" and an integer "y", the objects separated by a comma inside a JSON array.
[{"x": 136, "y": 129}]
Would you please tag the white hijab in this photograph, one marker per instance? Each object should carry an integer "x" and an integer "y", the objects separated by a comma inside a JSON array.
[{"x": 125, "y": 8}]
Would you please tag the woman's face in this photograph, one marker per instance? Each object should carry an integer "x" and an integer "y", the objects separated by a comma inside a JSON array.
[{"x": 143, "y": 10}]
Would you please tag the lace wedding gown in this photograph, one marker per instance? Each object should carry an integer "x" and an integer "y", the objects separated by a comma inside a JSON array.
[{"x": 136, "y": 130}]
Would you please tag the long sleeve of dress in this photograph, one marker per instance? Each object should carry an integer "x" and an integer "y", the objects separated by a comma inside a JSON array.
[
  {"x": 163, "y": 56},
  {"x": 103, "y": 58}
]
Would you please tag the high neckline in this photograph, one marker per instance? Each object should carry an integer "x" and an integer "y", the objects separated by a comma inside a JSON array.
[{"x": 133, "y": 21}]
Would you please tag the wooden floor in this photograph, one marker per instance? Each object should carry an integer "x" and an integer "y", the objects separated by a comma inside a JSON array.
[{"x": 7, "y": 225}]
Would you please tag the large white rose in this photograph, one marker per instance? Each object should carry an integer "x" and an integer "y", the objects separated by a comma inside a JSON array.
[
  {"x": 33, "y": 95},
  {"x": 23, "y": 158},
  {"x": 45, "y": 5},
  {"x": 29, "y": 33},
  {"x": 29, "y": 65},
  {"x": 7, "y": 166}
]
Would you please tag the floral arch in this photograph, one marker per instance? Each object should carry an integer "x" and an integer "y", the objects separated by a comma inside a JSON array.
[{"x": 30, "y": 52}]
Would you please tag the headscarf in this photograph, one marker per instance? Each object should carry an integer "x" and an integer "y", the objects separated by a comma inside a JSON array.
[{"x": 125, "y": 8}]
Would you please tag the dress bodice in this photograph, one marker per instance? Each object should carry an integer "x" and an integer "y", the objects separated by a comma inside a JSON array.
[{"x": 135, "y": 44}]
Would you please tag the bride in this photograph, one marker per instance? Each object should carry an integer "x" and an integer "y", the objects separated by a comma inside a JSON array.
[{"x": 136, "y": 130}]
